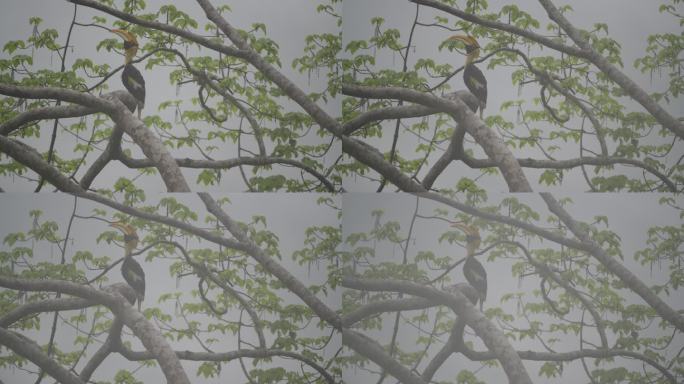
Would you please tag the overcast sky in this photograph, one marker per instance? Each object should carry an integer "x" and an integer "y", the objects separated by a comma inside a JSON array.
[
  {"x": 288, "y": 23},
  {"x": 629, "y": 27},
  {"x": 288, "y": 32},
  {"x": 630, "y": 22},
  {"x": 284, "y": 218},
  {"x": 629, "y": 216}
]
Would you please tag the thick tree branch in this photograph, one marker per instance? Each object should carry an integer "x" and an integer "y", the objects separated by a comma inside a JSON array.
[
  {"x": 269, "y": 71},
  {"x": 628, "y": 85},
  {"x": 151, "y": 145},
  {"x": 625, "y": 275},
  {"x": 271, "y": 265},
  {"x": 61, "y": 112},
  {"x": 112, "y": 151},
  {"x": 62, "y": 304},
  {"x": 577, "y": 162},
  {"x": 452, "y": 345},
  {"x": 148, "y": 334},
  {"x": 147, "y": 23},
  {"x": 28, "y": 349},
  {"x": 375, "y": 308},
  {"x": 453, "y": 152},
  {"x": 369, "y": 348},
  {"x": 110, "y": 345},
  {"x": 233, "y": 355},
  {"x": 537, "y": 38},
  {"x": 204, "y": 272},
  {"x": 494, "y": 339},
  {"x": 575, "y": 355},
  {"x": 584, "y": 51},
  {"x": 495, "y": 148},
  {"x": 404, "y": 111},
  {"x": 235, "y": 162}
]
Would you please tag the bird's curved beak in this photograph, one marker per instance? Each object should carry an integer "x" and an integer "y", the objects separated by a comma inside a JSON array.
[
  {"x": 126, "y": 229},
  {"x": 458, "y": 225},
  {"x": 117, "y": 225},
  {"x": 472, "y": 46},
  {"x": 119, "y": 32},
  {"x": 468, "y": 230},
  {"x": 462, "y": 38}
]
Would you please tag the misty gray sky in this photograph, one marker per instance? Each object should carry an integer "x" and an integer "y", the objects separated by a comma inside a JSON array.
[
  {"x": 288, "y": 215},
  {"x": 288, "y": 32},
  {"x": 284, "y": 217},
  {"x": 630, "y": 22},
  {"x": 629, "y": 215}
]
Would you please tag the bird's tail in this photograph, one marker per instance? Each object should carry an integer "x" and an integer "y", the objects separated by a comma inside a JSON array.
[
  {"x": 481, "y": 303},
  {"x": 139, "y": 304},
  {"x": 139, "y": 111},
  {"x": 482, "y": 107}
]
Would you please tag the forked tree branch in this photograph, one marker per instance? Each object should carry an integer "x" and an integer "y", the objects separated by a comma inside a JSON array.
[
  {"x": 150, "y": 144},
  {"x": 491, "y": 143},
  {"x": 149, "y": 335},
  {"x": 495, "y": 340}
]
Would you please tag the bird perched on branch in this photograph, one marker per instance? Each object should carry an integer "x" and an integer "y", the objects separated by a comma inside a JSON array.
[
  {"x": 472, "y": 76},
  {"x": 131, "y": 270},
  {"x": 473, "y": 270},
  {"x": 132, "y": 78}
]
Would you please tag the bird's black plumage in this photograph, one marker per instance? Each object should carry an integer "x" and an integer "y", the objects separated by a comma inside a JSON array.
[
  {"x": 134, "y": 275},
  {"x": 135, "y": 84},
  {"x": 477, "y": 84},
  {"x": 476, "y": 276}
]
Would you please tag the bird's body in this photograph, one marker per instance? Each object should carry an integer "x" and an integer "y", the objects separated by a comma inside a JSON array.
[
  {"x": 476, "y": 276},
  {"x": 132, "y": 78},
  {"x": 473, "y": 77},
  {"x": 477, "y": 84},
  {"x": 131, "y": 270},
  {"x": 473, "y": 271},
  {"x": 135, "y": 84},
  {"x": 134, "y": 275}
]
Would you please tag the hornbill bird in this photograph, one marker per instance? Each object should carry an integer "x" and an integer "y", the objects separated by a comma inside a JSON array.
[
  {"x": 473, "y": 270},
  {"x": 472, "y": 76},
  {"x": 131, "y": 270},
  {"x": 132, "y": 78}
]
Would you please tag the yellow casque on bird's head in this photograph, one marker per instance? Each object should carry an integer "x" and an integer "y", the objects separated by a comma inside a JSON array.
[
  {"x": 468, "y": 230},
  {"x": 130, "y": 235},
  {"x": 130, "y": 43},
  {"x": 473, "y": 238},
  {"x": 126, "y": 229},
  {"x": 471, "y": 45}
]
